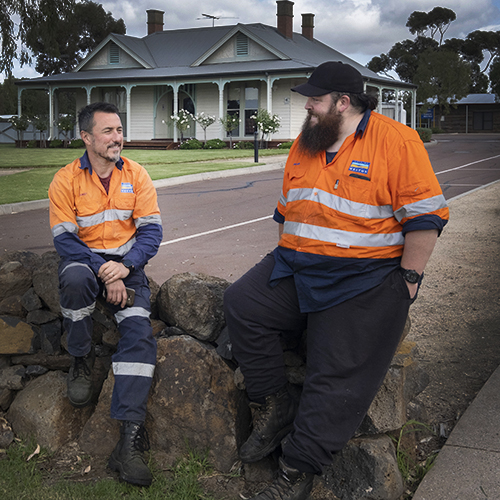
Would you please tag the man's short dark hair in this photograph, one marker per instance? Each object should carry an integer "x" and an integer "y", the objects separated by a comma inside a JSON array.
[
  {"x": 360, "y": 102},
  {"x": 86, "y": 114}
]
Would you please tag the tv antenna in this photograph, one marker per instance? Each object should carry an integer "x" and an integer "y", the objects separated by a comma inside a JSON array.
[{"x": 213, "y": 18}]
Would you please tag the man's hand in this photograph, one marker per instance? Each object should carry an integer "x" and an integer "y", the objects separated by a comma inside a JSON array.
[
  {"x": 116, "y": 293},
  {"x": 111, "y": 271},
  {"x": 412, "y": 288}
]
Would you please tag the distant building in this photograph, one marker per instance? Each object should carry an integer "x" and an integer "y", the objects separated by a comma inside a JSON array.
[
  {"x": 219, "y": 70},
  {"x": 472, "y": 114}
]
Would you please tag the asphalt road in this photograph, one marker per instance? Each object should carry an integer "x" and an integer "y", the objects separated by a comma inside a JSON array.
[{"x": 222, "y": 227}]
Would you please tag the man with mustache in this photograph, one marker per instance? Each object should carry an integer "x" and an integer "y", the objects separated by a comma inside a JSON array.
[
  {"x": 359, "y": 215},
  {"x": 106, "y": 225}
]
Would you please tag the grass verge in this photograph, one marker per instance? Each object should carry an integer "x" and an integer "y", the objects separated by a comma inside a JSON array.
[
  {"x": 24, "y": 478},
  {"x": 33, "y": 184}
]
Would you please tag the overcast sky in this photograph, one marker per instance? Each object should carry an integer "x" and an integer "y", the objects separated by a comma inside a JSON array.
[{"x": 359, "y": 29}]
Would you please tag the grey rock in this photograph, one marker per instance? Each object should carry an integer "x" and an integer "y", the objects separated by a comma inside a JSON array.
[
  {"x": 366, "y": 469},
  {"x": 43, "y": 410},
  {"x": 12, "y": 377},
  {"x": 30, "y": 300},
  {"x": 46, "y": 281},
  {"x": 194, "y": 303}
]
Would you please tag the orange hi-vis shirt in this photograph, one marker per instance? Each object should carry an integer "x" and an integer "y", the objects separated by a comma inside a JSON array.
[
  {"x": 109, "y": 224},
  {"x": 356, "y": 205}
]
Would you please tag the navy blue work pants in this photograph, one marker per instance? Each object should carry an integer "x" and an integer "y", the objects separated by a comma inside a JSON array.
[
  {"x": 135, "y": 358},
  {"x": 349, "y": 350}
]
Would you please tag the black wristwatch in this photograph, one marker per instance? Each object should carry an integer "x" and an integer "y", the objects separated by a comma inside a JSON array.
[
  {"x": 128, "y": 265},
  {"x": 411, "y": 275}
]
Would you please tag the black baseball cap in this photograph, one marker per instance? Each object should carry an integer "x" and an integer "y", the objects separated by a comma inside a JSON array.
[{"x": 332, "y": 76}]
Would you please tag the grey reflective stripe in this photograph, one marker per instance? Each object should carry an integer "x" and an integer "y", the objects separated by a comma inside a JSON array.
[
  {"x": 283, "y": 199},
  {"x": 131, "y": 312},
  {"x": 134, "y": 369},
  {"x": 79, "y": 314},
  {"x": 149, "y": 219},
  {"x": 106, "y": 216},
  {"x": 421, "y": 207},
  {"x": 343, "y": 238},
  {"x": 79, "y": 264},
  {"x": 64, "y": 227},
  {"x": 342, "y": 205},
  {"x": 120, "y": 251}
]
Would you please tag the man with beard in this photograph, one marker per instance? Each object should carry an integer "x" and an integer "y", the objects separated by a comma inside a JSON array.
[
  {"x": 106, "y": 225},
  {"x": 359, "y": 215}
]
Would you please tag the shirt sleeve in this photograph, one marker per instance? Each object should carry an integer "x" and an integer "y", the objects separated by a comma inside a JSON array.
[{"x": 64, "y": 226}]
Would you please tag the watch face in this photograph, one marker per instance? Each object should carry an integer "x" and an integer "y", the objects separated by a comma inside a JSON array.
[{"x": 411, "y": 276}]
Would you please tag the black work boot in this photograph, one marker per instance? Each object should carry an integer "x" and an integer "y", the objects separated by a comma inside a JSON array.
[
  {"x": 272, "y": 421},
  {"x": 290, "y": 484},
  {"x": 127, "y": 457},
  {"x": 79, "y": 380}
]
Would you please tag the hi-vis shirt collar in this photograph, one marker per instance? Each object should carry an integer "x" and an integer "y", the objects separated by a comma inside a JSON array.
[
  {"x": 85, "y": 163},
  {"x": 363, "y": 123}
]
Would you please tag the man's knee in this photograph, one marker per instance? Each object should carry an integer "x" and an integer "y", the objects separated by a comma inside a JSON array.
[{"x": 76, "y": 278}]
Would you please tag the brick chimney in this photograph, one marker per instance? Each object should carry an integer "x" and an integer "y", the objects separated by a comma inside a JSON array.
[
  {"x": 308, "y": 26},
  {"x": 155, "y": 21},
  {"x": 285, "y": 18}
]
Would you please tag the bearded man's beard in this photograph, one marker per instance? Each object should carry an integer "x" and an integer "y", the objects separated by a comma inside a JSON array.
[{"x": 316, "y": 138}]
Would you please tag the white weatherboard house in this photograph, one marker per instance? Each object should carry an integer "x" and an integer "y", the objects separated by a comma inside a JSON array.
[{"x": 216, "y": 70}]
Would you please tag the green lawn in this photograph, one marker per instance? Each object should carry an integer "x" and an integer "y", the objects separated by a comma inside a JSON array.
[{"x": 33, "y": 184}]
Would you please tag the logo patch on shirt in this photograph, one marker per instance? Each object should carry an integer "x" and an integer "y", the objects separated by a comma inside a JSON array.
[
  {"x": 127, "y": 187},
  {"x": 361, "y": 167}
]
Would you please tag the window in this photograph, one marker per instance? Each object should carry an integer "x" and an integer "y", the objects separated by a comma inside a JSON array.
[
  {"x": 241, "y": 45},
  {"x": 251, "y": 108},
  {"x": 483, "y": 121},
  {"x": 114, "y": 53}
]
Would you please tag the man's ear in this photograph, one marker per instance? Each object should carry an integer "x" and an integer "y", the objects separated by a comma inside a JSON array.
[
  {"x": 85, "y": 137},
  {"x": 343, "y": 103}
]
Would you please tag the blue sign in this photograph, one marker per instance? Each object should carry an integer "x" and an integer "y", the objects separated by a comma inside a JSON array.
[{"x": 428, "y": 115}]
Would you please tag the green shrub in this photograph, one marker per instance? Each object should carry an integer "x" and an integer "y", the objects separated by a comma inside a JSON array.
[
  {"x": 76, "y": 144},
  {"x": 215, "y": 144},
  {"x": 437, "y": 130},
  {"x": 244, "y": 145},
  {"x": 191, "y": 144},
  {"x": 56, "y": 143},
  {"x": 285, "y": 145},
  {"x": 32, "y": 144},
  {"x": 425, "y": 134}
]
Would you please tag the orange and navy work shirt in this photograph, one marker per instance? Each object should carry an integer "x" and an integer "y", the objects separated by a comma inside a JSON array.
[
  {"x": 345, "y": 219},
  {"x": 92, "y": 226}
]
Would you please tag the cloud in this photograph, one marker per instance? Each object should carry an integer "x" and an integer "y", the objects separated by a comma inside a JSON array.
[{"x": 354, "y": 27}]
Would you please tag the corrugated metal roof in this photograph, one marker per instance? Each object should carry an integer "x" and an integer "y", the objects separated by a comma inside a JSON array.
[
  {"x": 478, "y": 99},
  {"x": 171, "y": 54}
]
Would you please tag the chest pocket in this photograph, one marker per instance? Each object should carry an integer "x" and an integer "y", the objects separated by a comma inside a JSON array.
[{"x": 124, "y": 201}]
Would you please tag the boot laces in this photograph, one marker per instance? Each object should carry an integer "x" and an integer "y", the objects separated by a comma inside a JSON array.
[
  {"x": 80, "y": 365},
  {"x": 261, "y": 416},
  {"x": 282, "y": 488},
  {"x": 140, "y": 439}
]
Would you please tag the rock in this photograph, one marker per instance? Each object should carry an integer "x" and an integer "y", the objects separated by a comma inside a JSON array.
[
  {"x": 42, "y": 410},
  {"x": 31, "y": 301},
  {"x": 194, "y": 303},
  {"x": 6, "y": 434},
  {"x": 16, "y": 336},
  {"x": 101, "y": 433},
  {"x": 6, "y": 397},
  {"x": 403, "y": 382},
  {"x": 60, "y": 362},
  {"x": 46, "y": 281},
  {"x": 194, "y": 399},
  {"x": 41, "y": 316},
  {"x": 366, "y": 469},
  {"x": 15, "y": 279},
  {"x": 12, "y": 306},
  {"x": 12, "y": 377}
]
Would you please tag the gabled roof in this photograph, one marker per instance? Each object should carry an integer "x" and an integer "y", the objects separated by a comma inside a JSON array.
[{"x": 184, "y": 53}]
